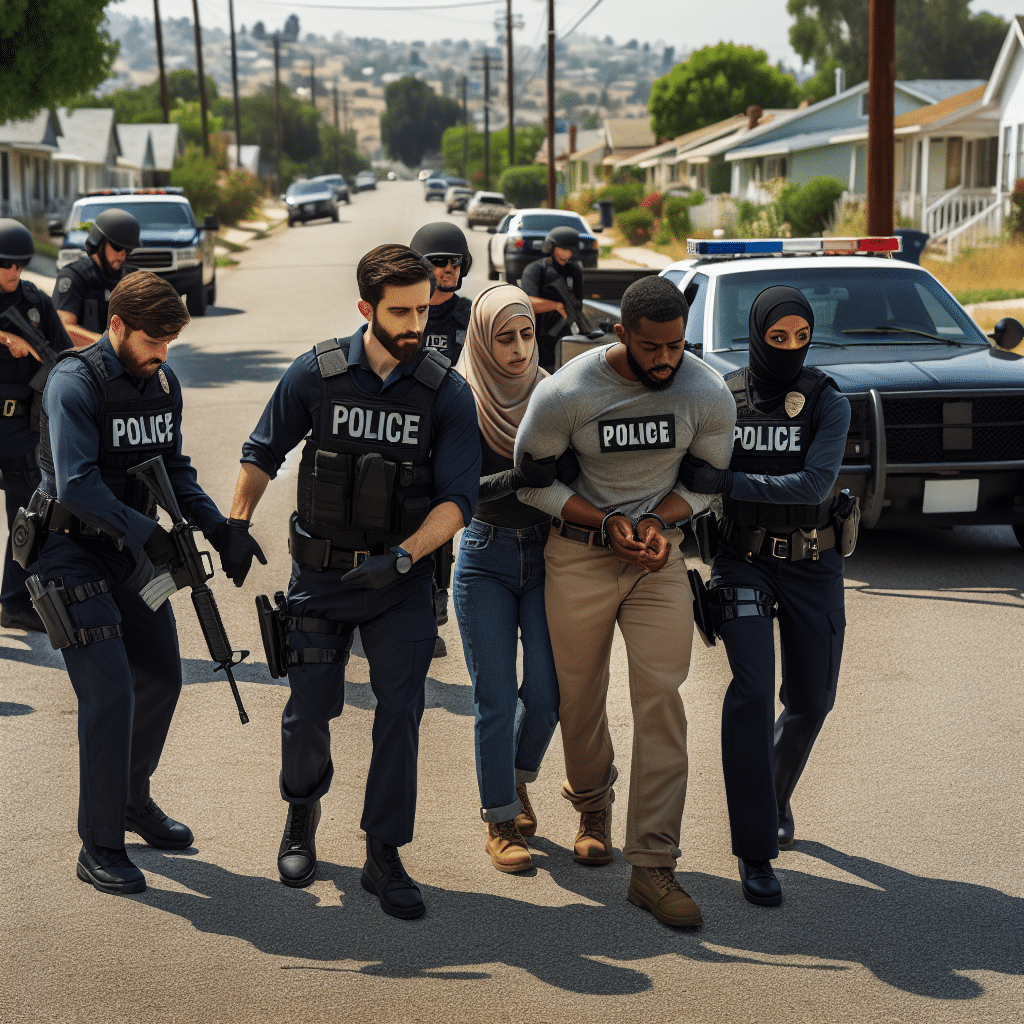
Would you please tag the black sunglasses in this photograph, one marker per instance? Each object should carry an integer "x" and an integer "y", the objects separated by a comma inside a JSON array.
[
  {"x": 8, "y": 264},
  {"x": 118, "y": 248},
  {"x": 443, "y": 261}
]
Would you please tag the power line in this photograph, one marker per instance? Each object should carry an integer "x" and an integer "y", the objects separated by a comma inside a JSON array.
[
  {"x": 576, "y": 24},
  {"x": 370, "y": 7}
]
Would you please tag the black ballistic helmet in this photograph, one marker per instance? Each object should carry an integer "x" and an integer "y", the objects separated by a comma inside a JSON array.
[
  {"x": 565, "y": 238},
  {"x": 15, "y": 240},
  {"x": 443, "y": 239},
  {"x": 118, "y": 227}
]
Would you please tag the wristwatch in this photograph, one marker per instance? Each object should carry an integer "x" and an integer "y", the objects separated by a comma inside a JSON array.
[{"x": 404, "y": 563}]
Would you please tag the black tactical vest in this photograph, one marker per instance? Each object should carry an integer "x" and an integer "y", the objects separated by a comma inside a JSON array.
[
  {"x": 448, "y": 335},
  {"x": 95, "y": 294},
  {"x": 133, "y": 428},
  {"x": 369, "y": 481},
  {"x": 773, "y": 444},
  {"x": 16, "y": 373}
]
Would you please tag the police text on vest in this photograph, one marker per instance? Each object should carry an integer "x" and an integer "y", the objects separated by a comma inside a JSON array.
[
  {"x": 637, "y": 433},
  {"x": 135, "y": 431},
  {"x": 358, "y": 424},
  {"x": 767, "y": 439}
]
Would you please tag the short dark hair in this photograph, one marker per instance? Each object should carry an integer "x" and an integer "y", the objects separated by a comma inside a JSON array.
[
  {"x": 148, "y": 303},
  {"x": 389, "y": 264},
  {"x": 656, "y": 298}
]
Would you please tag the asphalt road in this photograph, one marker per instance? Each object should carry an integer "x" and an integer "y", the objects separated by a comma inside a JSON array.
[{"x": 903, "y": 894}]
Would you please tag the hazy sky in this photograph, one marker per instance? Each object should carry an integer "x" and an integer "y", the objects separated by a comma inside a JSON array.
[{"x": 679, "y": 23}]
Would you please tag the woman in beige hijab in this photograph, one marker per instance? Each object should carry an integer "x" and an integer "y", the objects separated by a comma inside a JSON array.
[{"x": 499, "y": 577}]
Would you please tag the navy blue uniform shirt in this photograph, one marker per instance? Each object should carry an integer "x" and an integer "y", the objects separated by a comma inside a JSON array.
[
  {"x": 294, "y": 411},
  {"x": 447, "y": 323},
  {"x": 73, "y": 402}
]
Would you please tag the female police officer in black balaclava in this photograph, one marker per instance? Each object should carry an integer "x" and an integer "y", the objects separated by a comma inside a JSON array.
[{"x": 777, "y": 557}]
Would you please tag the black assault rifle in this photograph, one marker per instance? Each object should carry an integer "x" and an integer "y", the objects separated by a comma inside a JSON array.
[
  {"x": 13, "y": 320},
  {"x": 573, "y": 307},
  {"x": 193, "y": 568}
]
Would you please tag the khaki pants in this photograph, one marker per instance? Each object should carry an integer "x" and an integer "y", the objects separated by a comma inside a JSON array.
[{"x": 588, "y": 590}]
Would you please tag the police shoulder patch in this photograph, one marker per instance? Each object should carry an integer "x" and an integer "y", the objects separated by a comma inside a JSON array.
[
  {"x": 64, "y": 285},
  {"x": 162, "y": 377},
  {"x": 33, "y": 315},
  {"x": 794, "y": 403}
]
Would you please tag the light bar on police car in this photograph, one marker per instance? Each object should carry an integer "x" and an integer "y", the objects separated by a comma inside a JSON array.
[{"x": 794, "y": 246}]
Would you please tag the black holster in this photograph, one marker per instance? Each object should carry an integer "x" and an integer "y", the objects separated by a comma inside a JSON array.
[
  {"x": 26, "y": 533},
  {"x": 51, "y": 605},
  {"x": 275, "y": 639},
  {"x": 276, "y": 625},
  {"x": 728, "y": 603},
  {"x": 846, "y": 521},
  {"x": 705, "y": 533},
  {"x": 703, "y": 619},
  {"x": 444, "y": 559}
]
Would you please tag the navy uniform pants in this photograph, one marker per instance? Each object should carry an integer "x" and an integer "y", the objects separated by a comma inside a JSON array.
[
  {"x": 127, "y": 686},
  {"x": 19, "y": 482},
  {"x": 763, "y": 761},
  {"x": 397, "y": 629}
]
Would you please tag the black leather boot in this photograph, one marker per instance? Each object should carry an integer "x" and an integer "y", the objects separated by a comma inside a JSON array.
[
  {"x": 152, "y": 825},
  {"x": 296, "y": 860},
  {"x": 794, "y": 738},
  {"x": 110, "y": 871},
  {"x": 787, "y": 828},
  {"x": 760, "y": 886},
  {"x": 385, "y": 877}
]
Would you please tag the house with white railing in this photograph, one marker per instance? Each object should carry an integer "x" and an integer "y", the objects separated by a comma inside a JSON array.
[
  {"x": 1004, "y": 94},
  {"x": 27, "y": 148}
]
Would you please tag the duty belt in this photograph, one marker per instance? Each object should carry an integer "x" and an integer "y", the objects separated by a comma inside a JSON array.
[
  {"x": 574, "y": 531},
  {"x": 56, "y": 518},
  {"x": 787, "y": 547},
  {"x": 321, "y": 555},
  {"x": 12, "y": 407}
]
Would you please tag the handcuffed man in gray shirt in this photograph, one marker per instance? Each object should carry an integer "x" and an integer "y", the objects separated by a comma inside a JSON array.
[{"x": 630, "y": 411}]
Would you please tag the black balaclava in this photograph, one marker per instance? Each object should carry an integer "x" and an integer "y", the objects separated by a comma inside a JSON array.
[{"x": 774, "y": 370}]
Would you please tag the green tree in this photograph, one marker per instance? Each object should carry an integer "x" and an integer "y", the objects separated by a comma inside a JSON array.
[
  {"x": 529, "y": 138},
  {"x": 189, "y": 116},
  {"x": 415, "y": 120},
  {"x": 142, "y": 105},
  {"x": 50, "y": 51},
  {"x": 715, "y": 83},
  {"x": 197, "y": 176}
]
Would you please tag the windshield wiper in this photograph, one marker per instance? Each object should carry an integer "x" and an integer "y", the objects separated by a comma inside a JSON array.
[{"x": 886, "y": 329}]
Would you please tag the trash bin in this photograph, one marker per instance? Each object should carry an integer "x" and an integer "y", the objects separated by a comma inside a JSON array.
[
  {"x": 913, "y": 244},
  {"x": 607, "y": 208}
]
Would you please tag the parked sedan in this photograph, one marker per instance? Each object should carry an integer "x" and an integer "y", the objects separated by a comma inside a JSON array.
[
  {"x": 486, "y": 208},
  {"x": 310, "y": 200},
  {"x": 518, "y": 238},
  {"x": 338, "y": 183},
  {"x": 457, "y": 197},
  {"x": 435, "y": 188},
  {"x": 365, "y": 180}
]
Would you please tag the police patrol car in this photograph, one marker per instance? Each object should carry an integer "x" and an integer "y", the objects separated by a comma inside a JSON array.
[{"x": 937, "y": 432}]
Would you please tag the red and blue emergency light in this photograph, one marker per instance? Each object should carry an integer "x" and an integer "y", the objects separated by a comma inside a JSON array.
[{"x": 793, "y": 246}]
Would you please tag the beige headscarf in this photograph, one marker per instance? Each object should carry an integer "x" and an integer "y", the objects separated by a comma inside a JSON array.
[{"x": 501, "y": 397}]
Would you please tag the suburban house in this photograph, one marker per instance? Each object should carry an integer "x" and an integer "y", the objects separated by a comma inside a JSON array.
[
  {"x": 1004, "y": 93},
  {"x": 152, "y": 148},
  {"x": 27, "y": 182},
  {"x": 90, "y": 154},
  {"x": 620, "y": 137}
]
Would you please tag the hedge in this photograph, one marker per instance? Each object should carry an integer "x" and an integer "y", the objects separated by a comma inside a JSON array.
[
  {"x": 623, "y": 197},
  {"x": 637, "y": 225},
  {"x": 524, "y": 185}
]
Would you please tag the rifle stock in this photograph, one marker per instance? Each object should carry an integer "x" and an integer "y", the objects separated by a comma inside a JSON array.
[{"x": 573, "y": 307}]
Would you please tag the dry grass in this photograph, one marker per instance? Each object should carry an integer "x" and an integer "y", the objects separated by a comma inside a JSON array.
[
  {"x": 986, "y": 319},
  {"x": 978, "y": 271}
]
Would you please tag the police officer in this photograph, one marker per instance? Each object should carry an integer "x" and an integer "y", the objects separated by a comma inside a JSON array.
[
  {"x": 32, "y": 324},
  {"x": 82, "y": 289},
  {"x": 445, "y": 247},
  {"x": 777, "y": 557},
  {"x": 107, "y": 408},
  {"x": 389, "y": 471},
  {"x": 561, "y": 247}
]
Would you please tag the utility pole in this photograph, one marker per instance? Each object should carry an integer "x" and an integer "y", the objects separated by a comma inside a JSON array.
[
  {"x": 202, "y": 78},
  {"x": 312, "y": 80},
  {"x": 509, "y": 85},
  {"x": 881, "y": 95},
  {"x": 465, "y": 129},
  {"x": 487, "y": 119},
  {"x": 164, "y": 102},
  {"x": 551, "y": 104},
  {"x": 344, "y": 111},
  {"x": 234, "y": 88},
  {"x": 277, "y": 106},
  {"x": 337, "y": 123}
]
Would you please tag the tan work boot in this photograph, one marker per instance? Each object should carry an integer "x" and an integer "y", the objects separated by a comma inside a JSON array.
[
  {"x": 507, "y": 847},
  {"x": 526, "y": 819},
  {"x": 656, "y": 890},
  {"x": 593, "y": 843}
]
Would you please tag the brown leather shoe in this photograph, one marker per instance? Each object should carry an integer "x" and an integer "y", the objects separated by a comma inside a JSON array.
[
  {"x": 656, "y": 890},
  {"x": 508, "y": 849},
  {"x": 593, "y": 844},
  {"x": 526, "y": 819}
]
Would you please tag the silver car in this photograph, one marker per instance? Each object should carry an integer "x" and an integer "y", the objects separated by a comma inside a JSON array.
[{"x": 486, "y": 208}]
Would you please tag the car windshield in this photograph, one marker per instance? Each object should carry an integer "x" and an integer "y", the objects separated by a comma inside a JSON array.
[
  {"x": 307, "y": 188},
  {"x": 852, "y": 307},
  {"x": 149, "y": 215},
  {"x": 494, "y": 200},
  {"x": 547, "y": 221}
]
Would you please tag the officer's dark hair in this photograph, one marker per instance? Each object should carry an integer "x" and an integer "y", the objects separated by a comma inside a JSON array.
[
  {"x": 655, "y": 298},
  {"x": 148, "y": 303},
  {"x": 389, "y": 264}
]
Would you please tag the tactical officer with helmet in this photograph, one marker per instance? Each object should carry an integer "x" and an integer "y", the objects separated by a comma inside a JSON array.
[
  {"x": 82, "y": 289},
  {"x": 540, "y": 280},
  {"x": 389, "y": 471},
  {"x": 445, "y": 248},
  {"x": 780, "y": 555},
  {"x": 30, "y": 336}
]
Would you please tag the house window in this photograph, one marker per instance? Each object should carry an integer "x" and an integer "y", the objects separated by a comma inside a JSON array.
[
  {"x": 1007, "y": 136},
  {"x": 986, "y": 153},
  {"x": 864, "y": 104}
]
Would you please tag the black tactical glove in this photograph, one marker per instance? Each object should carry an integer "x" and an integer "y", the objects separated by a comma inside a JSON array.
[
  {"x": 236, "y": 548},
  {"x": 702, "y": 478},
  {"x": 161, "y": 548},
  {"x": 537, "y": 472},
  {"x": 567, "y": 467},
  {"x": 374, "y": 573}
]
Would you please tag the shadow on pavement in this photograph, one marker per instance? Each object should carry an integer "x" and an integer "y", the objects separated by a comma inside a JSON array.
[
  {"x": 222, "y": 311},
  {"x": 8, "y": 709},
  {"x": 914, "y": 933},
  {"x": 197, "y": 368}
]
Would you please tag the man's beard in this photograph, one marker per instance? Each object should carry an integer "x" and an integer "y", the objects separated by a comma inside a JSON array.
[
  {"x": 403, "y": 353},
  {"x": 648, "y": 382},
  {"x": 448, "y": 287},
  {"x": 110, "y": 275}
]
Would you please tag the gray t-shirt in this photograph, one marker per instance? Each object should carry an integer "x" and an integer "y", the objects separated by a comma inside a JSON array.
[{"x": 629, "y": 439}]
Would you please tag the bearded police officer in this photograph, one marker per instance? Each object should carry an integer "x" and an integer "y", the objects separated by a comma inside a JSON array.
[
  {"x": 82, "y": 289},
  {"x": 561, "y": 247},
  {"x": 107, "y": 408},
  {"x": 29, "y": 327},
  {"x": 389, "y": 472},
  {"x": 444, "y": 246},
  {"x": 777, "y": 557}
]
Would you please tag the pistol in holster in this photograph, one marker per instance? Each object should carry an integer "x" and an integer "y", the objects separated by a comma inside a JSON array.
[
  {"x": 51, "y": 605},
  {"x": 705, "y": 533},
  {"x": 703, "y": 619},
  {"x": 846, "y": 521},
  {"x": 274, "y": 633}
]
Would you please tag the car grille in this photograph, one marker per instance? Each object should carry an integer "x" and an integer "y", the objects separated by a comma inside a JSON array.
[
  {"x": 152, "y": 259},
  {"x": 954, "y": 428}
]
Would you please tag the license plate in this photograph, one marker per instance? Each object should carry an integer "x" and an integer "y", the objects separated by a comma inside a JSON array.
[
  {"x": 309, "y": 208},
  {"x": 950, "y": 496}
]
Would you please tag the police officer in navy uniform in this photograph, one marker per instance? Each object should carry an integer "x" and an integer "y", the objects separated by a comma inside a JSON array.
[
  {"x": 777, "y": 557},
  {"x": 107, "y": 408},
  {"x": 389, "y": 472},
  {"x": 445, "y": 247},
  {"x": 561, "y": 248},
  {"x": 20, "y": 390},
  {"x": 82, "y": 289}
]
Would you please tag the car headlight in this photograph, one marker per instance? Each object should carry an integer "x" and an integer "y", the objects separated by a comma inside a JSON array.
[{"x": 189, "y": 256}]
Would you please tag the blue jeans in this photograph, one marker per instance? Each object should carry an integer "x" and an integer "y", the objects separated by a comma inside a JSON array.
[{"x": 499, "y": 593}]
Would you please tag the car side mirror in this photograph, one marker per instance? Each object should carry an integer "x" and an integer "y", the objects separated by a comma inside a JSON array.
[
  {"x": 211, "y": 224},
  {"x": 597, "y": 230},
  {"x": 492, "y": 230},
  {"x": 1008, "y": 333},
  {"x": 697, "y": 349}
]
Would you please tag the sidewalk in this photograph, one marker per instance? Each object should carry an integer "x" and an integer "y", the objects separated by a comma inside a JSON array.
[{"x": 629, "y": 256}]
